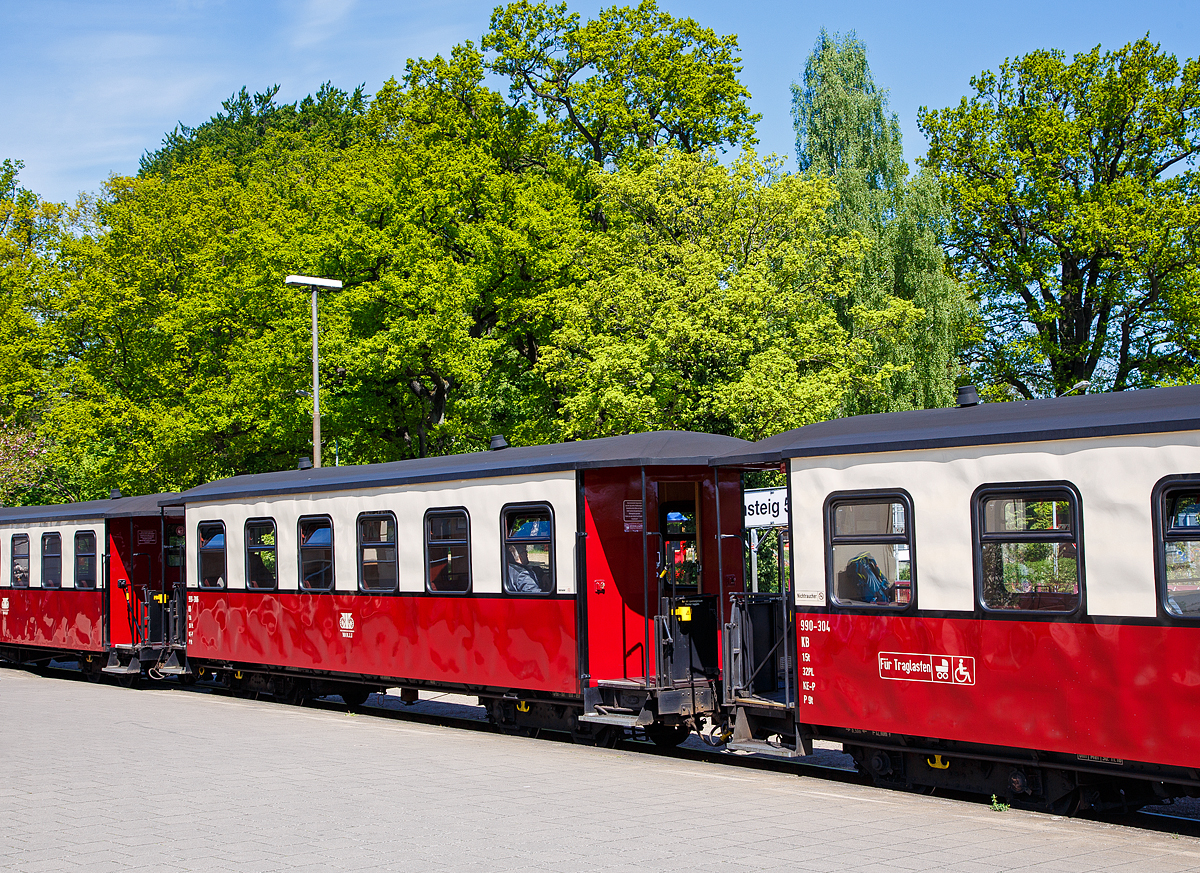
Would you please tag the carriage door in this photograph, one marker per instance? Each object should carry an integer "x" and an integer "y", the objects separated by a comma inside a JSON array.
[
  {"x": 686, "y": 625},
  {"x": 121, "y": 605},
  {"x": 147, "y": 579}
]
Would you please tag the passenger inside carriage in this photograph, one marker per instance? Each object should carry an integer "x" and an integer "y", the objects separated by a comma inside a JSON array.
[
  {"x": 520, "y": 578},
  {"x": 528, "y": 541}
]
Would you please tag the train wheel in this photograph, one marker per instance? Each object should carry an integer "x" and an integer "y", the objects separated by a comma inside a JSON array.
[
  {"x": 354, "y": 696},
  {"x": 667, "y": 736},
  {"x": 608, "y": 737},
  {"x": 289, "y": 691},
  {"x": 602, "y": 737}
]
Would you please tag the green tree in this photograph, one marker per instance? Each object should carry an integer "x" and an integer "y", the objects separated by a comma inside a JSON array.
[
  {"x": 632, "y": 79},
  {"x": 169, "y": 312},
  {"x": 331, "y": 116},
  {"x": 1075, "y": 208},
  {"x": 474, "y": 190},
  {"x": 710, "y": 304},
  {"x": 841, "y": 117},
  {"x": 180, "y": 352},
  {"x": 22, "y": 462},
  {"x": 845, "y": 131},
  {"x": 30, "y": 233}
]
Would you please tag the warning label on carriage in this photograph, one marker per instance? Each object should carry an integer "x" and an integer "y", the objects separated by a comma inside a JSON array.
[{"x": 947, "y": 669}]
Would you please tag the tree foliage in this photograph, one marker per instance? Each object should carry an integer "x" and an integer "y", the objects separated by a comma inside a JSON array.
[
  {"x": 845, "y": 131},
  {"x": 571, "y": 260},
  {"x": 634, "y": 78},
  {"x": 711, "y": 304},
  {"x": 447, "y": 215},
  {"x": 841, "y": 117},
  {"x": 1075, "y": 207},
  {"x": 330, "y": 115},
  {"x": 22, "y": 464},
  {"x": 30, "y": 232}
]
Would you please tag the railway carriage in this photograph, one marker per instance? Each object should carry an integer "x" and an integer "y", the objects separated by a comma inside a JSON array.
[
  {"x": 577, "y": 586},
  {"x": 999, "y": 598},
  {"x": 93, "y": 581}
]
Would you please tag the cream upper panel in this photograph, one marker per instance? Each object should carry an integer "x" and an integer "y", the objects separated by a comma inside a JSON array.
[
  {"x": 483, "y": 500},
  {"x": 67, "y": 531},
  {"x": 1114, "y": 475}
]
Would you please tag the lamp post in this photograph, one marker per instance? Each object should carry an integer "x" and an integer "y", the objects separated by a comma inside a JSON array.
[{"x": 314, "y": 284}]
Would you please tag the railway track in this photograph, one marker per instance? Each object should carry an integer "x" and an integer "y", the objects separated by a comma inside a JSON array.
[{"x": 1179, "y": 819}]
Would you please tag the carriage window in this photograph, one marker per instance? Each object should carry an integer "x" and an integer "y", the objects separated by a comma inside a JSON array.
[
  {"x": 870, "y": 550},
  {"x": 316, "y": 553},
  {"x": 447, "y": 551},
  {"x": 377, "y": 552},
  {"x": 212, "y": 554},
  {"x": 528, "y": 550},
  {"x": 1028, "y": 550},
  {"x": 262, "y": 572},
  {"x": 1179, "y": 545},
  {"x": 85, "y": 559},
  {"x": 51, "y": 560},
  {"x": 20, "y": 561}
]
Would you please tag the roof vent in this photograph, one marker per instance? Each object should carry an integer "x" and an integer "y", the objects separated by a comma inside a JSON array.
[
  {"x": 115, "y": 494},
  {"x": 498, "y": 442},
  {"x": 967, "y": 396},
  {"x": 304, "y": 464}
]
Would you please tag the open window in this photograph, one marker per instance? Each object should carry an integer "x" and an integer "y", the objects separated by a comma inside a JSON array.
[
  {"x": 19, "y": 571},
  {"x": 869, "y": 549},
  {"x": 528, "y": 544},
  {"x": 1177, "y": 529},
  {"x": 85, "y": 559},
  {"x": 316, "y": 553},
  {"x": 262, "y": 569},
  {"x": 211, "y": 550},
  {"x": 377, "y": 569},
  {"x": 447, "y": 550},
  {"x": 1027, "y": 548}
]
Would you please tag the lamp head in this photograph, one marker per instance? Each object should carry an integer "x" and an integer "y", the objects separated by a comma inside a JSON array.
[{"x": 312, "y": 282}]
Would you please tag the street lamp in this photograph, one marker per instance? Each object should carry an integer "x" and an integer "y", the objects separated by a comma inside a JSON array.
[{"x": 315, "y": 284}]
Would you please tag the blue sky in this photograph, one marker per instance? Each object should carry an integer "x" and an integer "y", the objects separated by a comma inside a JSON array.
[{"x": 89, "y": 86}]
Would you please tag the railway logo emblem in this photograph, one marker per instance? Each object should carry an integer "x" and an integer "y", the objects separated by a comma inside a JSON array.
[
  {"x": 942, "y": 669},
  {"x": 346, "y": 623}
]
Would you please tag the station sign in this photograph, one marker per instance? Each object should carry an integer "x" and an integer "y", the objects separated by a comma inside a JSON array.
[{"x": 765, "y": 507}]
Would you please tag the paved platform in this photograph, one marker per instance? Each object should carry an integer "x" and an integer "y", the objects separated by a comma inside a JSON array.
[{"x": 100, "y": 778}]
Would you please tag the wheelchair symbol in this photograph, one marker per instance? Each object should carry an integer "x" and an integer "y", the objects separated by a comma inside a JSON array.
[{"x": 964, "y": 671}]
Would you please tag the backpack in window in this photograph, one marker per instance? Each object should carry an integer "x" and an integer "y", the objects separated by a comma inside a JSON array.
[{"x": 872, "y": 586}]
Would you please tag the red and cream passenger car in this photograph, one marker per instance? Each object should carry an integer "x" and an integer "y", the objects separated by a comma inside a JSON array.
[
  {"x": 1001, "y": 598},
  {"x": 91, "y": 581},
  {"x": 549, "y": 580}
]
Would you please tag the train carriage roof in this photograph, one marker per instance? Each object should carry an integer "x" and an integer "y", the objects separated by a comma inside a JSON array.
[
  {"x": 1156, "y": 410},
  {"x": 120, "y": 507},
  {"x": 658, "y": 449}
]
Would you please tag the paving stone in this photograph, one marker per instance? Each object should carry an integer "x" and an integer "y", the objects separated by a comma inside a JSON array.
[{"x": 99, "y": 778}]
